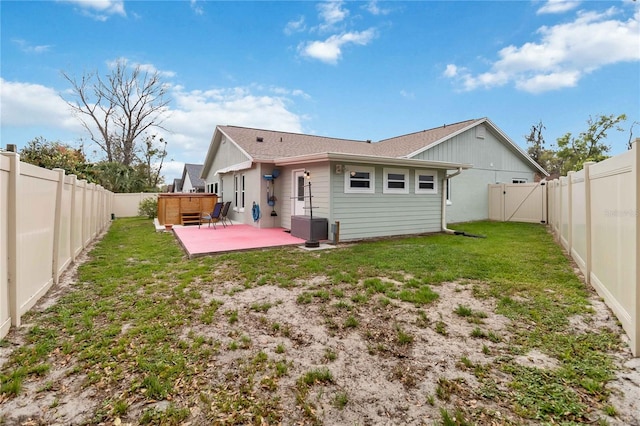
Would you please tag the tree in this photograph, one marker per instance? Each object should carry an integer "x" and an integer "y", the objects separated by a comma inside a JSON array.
[
  {"x": 118, "y": 109},
  {"x": 588, "y": 146},
  {"x": 51, "y": 155},
  {"x": 536, "y": 142},
  {"x": 539, "y": 153},
  {"x": 151, "y": 160}
]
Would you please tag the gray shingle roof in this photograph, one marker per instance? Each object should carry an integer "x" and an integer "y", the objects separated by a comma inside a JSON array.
[
  {"x": 194, "y": 171},
  {"x": 401, "y": 146},
  {"x": 276, "y": 144},
  {"x": 270, "y": 145}
]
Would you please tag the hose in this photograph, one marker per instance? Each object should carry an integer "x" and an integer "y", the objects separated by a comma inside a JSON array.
[{"x": 255, "y": 212}]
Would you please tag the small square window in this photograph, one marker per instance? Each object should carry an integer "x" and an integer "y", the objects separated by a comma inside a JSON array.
[
  {"x": 359, "y": 180},
  {"x": 396, "y": 181},
  {"x": 426, "y": 182}
]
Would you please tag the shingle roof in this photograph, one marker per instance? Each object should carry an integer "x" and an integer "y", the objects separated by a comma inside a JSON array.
[
  {"x": 274, "y": 144},
  {"x": 270, "y": 145},
  {"x": 194, "y": 171},
  {"x": 177, "y": 185},
  {"x": 401, "y": 146}
]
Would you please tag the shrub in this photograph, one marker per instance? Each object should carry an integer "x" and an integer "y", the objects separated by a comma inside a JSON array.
[{"x": 148, "y": 207}]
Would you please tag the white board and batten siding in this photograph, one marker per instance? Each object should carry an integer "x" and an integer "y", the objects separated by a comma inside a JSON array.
[
  {"x": 380, "y": 215},
  {"x": 493, "y": 162}
]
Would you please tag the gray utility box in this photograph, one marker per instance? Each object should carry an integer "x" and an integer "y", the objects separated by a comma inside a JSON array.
[{"x": 309, "y": 229}]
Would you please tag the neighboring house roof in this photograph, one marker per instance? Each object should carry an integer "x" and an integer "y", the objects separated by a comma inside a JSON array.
[
  {"x": 193, "y": 171},
  {"x": 261, "y": 145},
  {"x": 177, "y": 185}
]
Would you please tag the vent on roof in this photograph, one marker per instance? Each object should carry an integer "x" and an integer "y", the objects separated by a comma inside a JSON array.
[{"x": 259, "y": 139}]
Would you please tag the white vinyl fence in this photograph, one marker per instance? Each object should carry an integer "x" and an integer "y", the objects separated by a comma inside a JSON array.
[
  {"x": 518, "y": 202},
  {"x": 594, "y": 214},
  {"x": 126, "y": 205},
  {"x": 46, "y": 219}
]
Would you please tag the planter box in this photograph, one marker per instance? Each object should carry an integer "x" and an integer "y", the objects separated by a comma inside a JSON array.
[{"x": 309, "y": 229}]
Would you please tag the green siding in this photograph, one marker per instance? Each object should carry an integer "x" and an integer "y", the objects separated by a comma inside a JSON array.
[
  {"x": 378, "y": 215},
  {"x": 492, "y": 161}
]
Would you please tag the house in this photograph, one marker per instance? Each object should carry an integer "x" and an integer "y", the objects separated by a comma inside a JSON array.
[
  {"x": 176, "y": 186},
  {"x": 362, "y": 189},
  {"x": 191, "y": 181},
  {"x": 494, "y": 156}
]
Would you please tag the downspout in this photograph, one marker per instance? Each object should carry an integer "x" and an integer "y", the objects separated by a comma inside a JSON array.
[{"x": 443, "y": 216}]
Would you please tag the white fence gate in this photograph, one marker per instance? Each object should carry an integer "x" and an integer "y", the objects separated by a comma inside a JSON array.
[{"x": 518, "y": 202}]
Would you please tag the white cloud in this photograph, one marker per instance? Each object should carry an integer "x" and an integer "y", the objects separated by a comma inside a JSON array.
[
  {"x": 451, "y": 71},
  {"x": 331, "y": 12},
  {"x": 545, "y": 82},
  {"x": 558, "y": 6},
  {"x": 295, "y": 26},
  {"x": 99, "y": 10},
  {"x": 407, "y": 95},
  {"x": 197, "y": 9},
  {"x": 330, "y": 50},
  {"x": 374, "y": 8},
  {"x": 30, "y": 110},
  {"x": 562, "y": 56},
  {"x": 28, "y": 105},
  {"x": 148, "y": 68},
  {"x": 27, "y": 47}
]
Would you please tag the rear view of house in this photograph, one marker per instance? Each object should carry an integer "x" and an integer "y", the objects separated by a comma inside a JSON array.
[{"x": 393, "y": 187}]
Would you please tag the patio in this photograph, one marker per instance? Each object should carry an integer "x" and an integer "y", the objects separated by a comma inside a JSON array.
[{"x": 209, "y": 240}]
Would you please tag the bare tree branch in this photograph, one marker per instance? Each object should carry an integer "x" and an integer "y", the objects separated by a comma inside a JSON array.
[{"x": 117, "y": 109}]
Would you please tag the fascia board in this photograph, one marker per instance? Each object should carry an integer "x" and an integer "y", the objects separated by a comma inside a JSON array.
[{"x": 370, "y": 159}]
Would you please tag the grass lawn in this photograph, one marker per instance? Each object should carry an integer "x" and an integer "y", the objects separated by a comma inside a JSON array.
[{"x": 434, "y": 329}]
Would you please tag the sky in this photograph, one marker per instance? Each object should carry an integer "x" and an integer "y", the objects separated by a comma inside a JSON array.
[{"x": 346, "y": 69}]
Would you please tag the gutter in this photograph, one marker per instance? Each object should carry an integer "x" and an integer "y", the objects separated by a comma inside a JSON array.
[{"x": 443, "y": 216}]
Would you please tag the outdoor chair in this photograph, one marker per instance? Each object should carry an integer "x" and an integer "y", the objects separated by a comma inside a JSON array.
[
  {"x": 225, "y": 211},
  {"x": 212, "y": 217}
]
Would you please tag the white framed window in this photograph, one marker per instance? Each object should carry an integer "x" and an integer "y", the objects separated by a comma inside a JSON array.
[
  {"x": 396, "y": 181},
  {"x": 360, "y": 180},
  {"x": 242, "y": 197},
  {"x": 518, "y": 180},
  {"x": 426, "y": 182},
  {"x": 238, "y": 193}
]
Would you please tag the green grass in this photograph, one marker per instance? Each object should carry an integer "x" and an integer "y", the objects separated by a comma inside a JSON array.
[{"x": 136, "y": 319}]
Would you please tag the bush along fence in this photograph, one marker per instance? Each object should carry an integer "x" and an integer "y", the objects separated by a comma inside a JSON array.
[
  {"x": 595, "y": 215},
  {"x": 47, "y": 219}
]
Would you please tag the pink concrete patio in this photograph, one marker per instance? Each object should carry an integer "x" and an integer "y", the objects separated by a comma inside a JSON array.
[{"x": 209, "y": 240}]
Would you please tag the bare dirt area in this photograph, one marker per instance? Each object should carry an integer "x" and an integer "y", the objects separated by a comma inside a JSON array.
[{"x": 384, "y": 362}]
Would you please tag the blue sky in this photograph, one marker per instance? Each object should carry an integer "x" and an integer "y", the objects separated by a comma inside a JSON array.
[{"x": 346, "y": 69}]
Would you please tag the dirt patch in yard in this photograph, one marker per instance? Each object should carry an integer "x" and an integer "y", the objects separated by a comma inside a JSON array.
[{"x": 313, "y": 353}]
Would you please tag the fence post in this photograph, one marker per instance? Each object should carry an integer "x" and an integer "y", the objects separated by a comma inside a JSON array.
[
  {"x": 587, "y": 209},
  {"x": 57, "y": 219},
  {"x": 72, "y": 217},
  {"x": 570, "y": 211},
  {"x": 84, "y": 214},
  {"x": 14, "y": 225},
  {"x": 635, "y": 340}
]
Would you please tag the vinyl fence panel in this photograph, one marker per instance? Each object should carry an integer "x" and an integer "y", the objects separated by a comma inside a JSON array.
[
  {"x": 46, "y": 220},
  {"x": 595, "y": 215}
]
